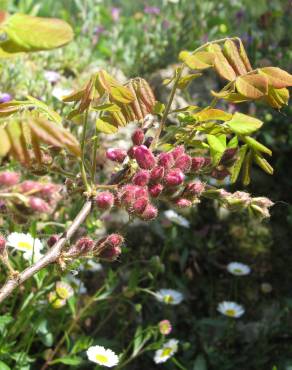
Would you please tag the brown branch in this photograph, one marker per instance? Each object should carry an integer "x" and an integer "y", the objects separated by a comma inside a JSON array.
[{"x": 50, "y": 257}]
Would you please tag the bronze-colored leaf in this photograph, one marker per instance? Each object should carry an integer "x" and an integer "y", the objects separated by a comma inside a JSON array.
[
  {"x": 231, "y": 53},
  {"x": 199, "y": 60},
  {"x": 5, "y": 144},
  {"x": 276, "y": 98},
  {"x": 252, "y": 86},
  {"x": 222, "y": 66},
  {"x": 277, "y": 77},
  {"x": 212, "y": 114},
  {"x": 244, "y": 56}
]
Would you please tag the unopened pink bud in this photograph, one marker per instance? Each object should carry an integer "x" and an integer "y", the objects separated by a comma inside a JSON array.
[
  {"x": 2, "y": 244},
  {"x": 220, "y": 174},
  {"x": 104, "y": 200},
  {"x": 183, "y": 203},
  {"x": 141, "y": 178},
  {"x": 178, "y": 152},
  {"x": 228, "y": 154},
  {"x": 115, "y": 240},
  {"x": 52, "y": 240},
  {"x": 49, "y": 189},
  {"x": 149, "y": 213},
  {"x": 140, "y": 205},
  {"x": 127, "y": 194},
  {"x": 174, "y": 177},
  {"x": 84, "y": 245},
  {"x": 184, "y": 162},
  {"x": 8, "y": 178},
  {"x": 166, "y": 160},
  {"x": 131, "y": 152},
  {"x": 197, "y": 163},
  {"x": 194, "y": 188},
  {"x": 116, "y": 155},
  {"x": 138, "y": 137},
  {"x": 144, "y": 157},
  {"x": 29, "y": 186},
  {"x": 157, "y": 174},
  {"x": 109, "y": 248},
  {"x": 141, "y": 192},
  {"x": 39, "y": 205},
  {"x": 155, "y": 190}
]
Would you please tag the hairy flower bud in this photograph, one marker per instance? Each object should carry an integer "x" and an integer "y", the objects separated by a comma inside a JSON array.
[
  {"x": 109, "y": 248},
  {"x": 174, "y": 177},
  {"x": 116, "y": 155},
  {"x": 29, "y": 186},
  {"x": 126, "y": 194},
  {"x": 104, "y": 200},
  {"x": 39, "y": 205},
  {"x": 155, "y": 190},
  {"x": 157, "y": 174},
  {"x": 131, "y": 152},
  {"x": 194, "y": 188},
  {"x": 52, "y": 240},
  {"x": 140, "y": 205},
  {"x": 166, "y": 160},
  {"x": 183, "y": 203},
  {"x": 228, "y": 155},
  {"x": 144, "y": 157},
  {"x": 8, "y": 178},
  {"x": 141, "y": 178},
  {"x": 138, "y": 137},
  {"x": 198, "y": 163},
  {"x": 184, "y": 162},
  {"x": 83, "y": 246},
  {"x": 2, "y": 244},
  {"x": 149, "y": 213},
  {"x": 178, "y": 152}
]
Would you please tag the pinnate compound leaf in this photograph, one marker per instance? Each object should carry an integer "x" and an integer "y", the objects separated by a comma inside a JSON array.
[
  {"x": 105, "y": 127},
  {"x": 277, "y": 77},
  {"x": 186, "y": 80},
  {"x": 232, "y": 54},
  {"x": 244, "y": 56},
  {"x": 199, "y": 60},
  {"x": 252, "y": 86},
  {"x": 26, "y": 33},
  {"x": 212, "y": 114},
  {"x": 242, "y": 124},
  {"x": 222, "y": 66},
  {"x": 276, "y": 98}
]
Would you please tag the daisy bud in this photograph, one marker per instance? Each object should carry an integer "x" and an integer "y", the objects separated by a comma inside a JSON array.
[
  {"x": 148, "y": 141},
  {"x": 2, "y": 244},
  {"x": 138, "y": 137},
  {"x": 8, "y": 178},
  {"x": 198, "y": 163},
  {"x": 165, "y": 327},
  {"x": 178, "y": 152},
  {"x": 39, "y": 205},
  {"x": 116, "y": 155},
  {"x": 141, "y": 178},
  {"x": 104, "y": 200},
  {"x": 144, "y": 157},
  {"x": 52, "y": 240},
  {"x": 165, "y": 160},
  {"x": 84, "y": 245},
  {"x": 157, "y": 174},
  {"x": 140, "y": 205},
  {"x": 149, "y": 213},
  {"x": 194, "y": 188},
  {"x": 155, "y": 190},
  {"x": 183, "y": 203},
  {"x": 184, "y": 162},
  {"x": 174, "y": 177},
  {"x": 131, "y": 152}
]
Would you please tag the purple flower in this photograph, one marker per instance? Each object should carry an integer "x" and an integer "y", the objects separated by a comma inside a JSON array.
[
  {"x": 240, "y": 15},
  {"x": 5, "y": 98},
  {"x": 98, "y": 30},
  {"x": 115, "y": 13},
  {"x": 152, "y": 10},
  {"x": 52, "y": 76}
]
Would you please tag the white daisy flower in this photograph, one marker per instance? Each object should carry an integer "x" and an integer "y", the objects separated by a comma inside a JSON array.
[
  {"x": 59, "y": 92},
  {"x": 64, "y": 290},
  {"x": 102, "y": 356},
  {"x": 230, "y": 309},
  {"x": 27, "y": 244},
  {"x": 168, "y": 350},
  {"x": 169, "y": 296},
  {"x": 176, "y": 218},
  {"x": 238, "y": 269},
  {"x": 52, "y": 76}
]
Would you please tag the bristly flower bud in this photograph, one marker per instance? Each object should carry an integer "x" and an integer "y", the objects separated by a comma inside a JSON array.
[
  {"x": 116, "y": 155},
  {"x": 104, "y": 200},
  {"x": 149, "y": 213},
  {"x": 166, "y": 160},
  {"x": 155, "y": 190},
  {"x": 174, "y": 177},
  {"x": 83, "y": 246},
  {"x": 228, "y": 155},
  {"x": 141, "y": 178},
  {"x": 131, "y": 152},
  {"x": 178, "y": 152},
  {"x": 183, "y": 203},
  {"x": 194, "y": 188},
  {"x": 184, "y": 162},
  {"x": 157, "y": 174},
  {"x": 52, "y": 240},
  {"x": 8, "y": 178},
  {"x": 29, "y": 186},
  {"x": 138, "y": 137},
  {"x": 198, "y": 163},
  {"x": 109, "y": 248},
  {"x": 126, "y": 194},
  {"x": 2, "y": 244},
  {"x": 140, "y": 205},
  {"x": 144, "y": 157},
  {"x": 39, "y": 205}
]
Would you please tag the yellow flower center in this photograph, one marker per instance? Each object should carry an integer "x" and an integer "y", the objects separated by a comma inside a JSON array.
[
  {"x": 101, "y": 359},
  {"x": 166, "y": 351},
  {"x": 238, "y": 271},
  {"x": 25, "y": 245},
  {"x": 62, "y": 292},
  {"x": 168, "y": 299},
  {"x": 230, "y": 312}
]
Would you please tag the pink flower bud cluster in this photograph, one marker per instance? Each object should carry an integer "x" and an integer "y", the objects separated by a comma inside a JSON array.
[
  {"x": 2, "y": 244},
  {"x": 162, "y": 175}
]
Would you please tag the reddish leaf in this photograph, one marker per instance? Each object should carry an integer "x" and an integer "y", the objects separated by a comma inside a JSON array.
[
  {"x": 277, "y": 77},
  {"x": 252, "y": 86}
]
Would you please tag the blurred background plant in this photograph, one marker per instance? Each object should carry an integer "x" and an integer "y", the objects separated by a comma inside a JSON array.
[{"x": 111, "y": 301}]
